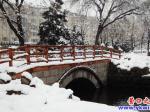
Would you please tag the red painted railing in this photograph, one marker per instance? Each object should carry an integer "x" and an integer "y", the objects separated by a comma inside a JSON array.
[{"x": 34, "y": 53}]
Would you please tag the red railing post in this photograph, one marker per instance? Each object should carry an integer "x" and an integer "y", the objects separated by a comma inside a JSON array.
[
  {"x": 73, "y": 53},
  {"x": 101, "y": 51},
  {"x": 27, "y": 49},
  {"x": 62, "y": 53},
  {"x": 111, "y": 52},
  {"x": 84, "y": 53},
  {"x": 10, "y": 53},
  {"x": 0, "y": 52},
  {"x": 119, "y": 54},
  {"x": 46, "y": 53},
  {"x": 94, "y": 53},
  {"x": 36, "y": 52}
]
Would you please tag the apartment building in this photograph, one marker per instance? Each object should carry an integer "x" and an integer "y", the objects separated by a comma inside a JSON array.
[{"x": 32, "y": 17}]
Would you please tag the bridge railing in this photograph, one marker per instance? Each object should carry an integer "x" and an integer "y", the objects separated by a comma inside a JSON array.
[{"x": 35, "y": 53}]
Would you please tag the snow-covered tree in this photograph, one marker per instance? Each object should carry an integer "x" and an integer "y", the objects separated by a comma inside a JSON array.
[
  {"x": 53, "y": 30},
  {"x": 108, "y": 12},
  {"x": 77, "y": 36},
  {"x": 14, "y": 24}
]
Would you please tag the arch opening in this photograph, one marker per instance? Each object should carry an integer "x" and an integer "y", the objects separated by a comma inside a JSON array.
[{"x": 83, "y": 88}]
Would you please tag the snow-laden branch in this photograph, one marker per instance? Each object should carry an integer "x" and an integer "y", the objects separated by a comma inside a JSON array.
[{"x": 120, "y": 16}]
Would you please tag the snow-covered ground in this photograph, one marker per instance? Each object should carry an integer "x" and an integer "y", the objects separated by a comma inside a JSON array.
[
  {"x": 130, "y": 60},
  {"x": 45, "y": 98}
]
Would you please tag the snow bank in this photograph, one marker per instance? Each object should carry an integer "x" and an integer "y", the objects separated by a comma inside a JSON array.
[
  {"x": 45, "y": 98},
  {"x": 5, "y": 77},
  {"x": 15, "y": 85},
  {"x": 27, "y": 75},
  {"x": 131, "y": 60},
  {"x": 36, "y": 81}
]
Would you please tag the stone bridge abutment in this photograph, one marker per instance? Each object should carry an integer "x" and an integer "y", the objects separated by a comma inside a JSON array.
[{"x": 95, "y": 71}]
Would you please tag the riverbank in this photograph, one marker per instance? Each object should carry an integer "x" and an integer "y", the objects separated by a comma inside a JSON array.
[
  {"x": 38, "y": 97},
  {"x": 132, "y": 70}
]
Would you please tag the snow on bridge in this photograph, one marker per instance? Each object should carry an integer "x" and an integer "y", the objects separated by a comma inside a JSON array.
[
  {"x": 30, "y": 56},
  {"x": 26, "y": 57},
  {"x": 59, "y": 63}
]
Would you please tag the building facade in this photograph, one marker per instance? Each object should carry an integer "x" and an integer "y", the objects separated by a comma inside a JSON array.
[{"x": 31, "y": 19}]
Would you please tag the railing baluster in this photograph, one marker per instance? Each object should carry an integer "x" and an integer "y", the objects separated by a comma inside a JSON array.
[
  {"x": 110, "y": 52},
  {"x": 36, "y": 52},
  {"x": 119, "y": 54},
  {"x": 46, "y": 53},
  {"x": 94, "y": 52},
  {"x": 27, "y": 49},
  {"x": 0, "y": 52},
  {"x": 84, "y": 53},
  {"x": 10, "y": 53},
  {"x": 73, "y": 53},
  {"x": 62, "y": 53},
  {"x": 101, "y": 51}
]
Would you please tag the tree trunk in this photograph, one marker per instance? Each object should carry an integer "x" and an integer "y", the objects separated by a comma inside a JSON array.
[
  {"x": 12, "y": 27},
  {"x": 142, "y": 42},
  {"x": 21, "y": 39},
  {"x": 148, "y": 54},
  {"x": 99, "y": 32},
  {"x": 20, "y": 28}
]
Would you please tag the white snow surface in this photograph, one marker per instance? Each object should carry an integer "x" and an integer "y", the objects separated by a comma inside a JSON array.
[
  {"x": 45, "y": 98},
  {"x": 27, "y": 75},
  {"x": 5, "y": 77},
  {"x": 102, "y": 44},
  {"x": 131, "y": 60}
]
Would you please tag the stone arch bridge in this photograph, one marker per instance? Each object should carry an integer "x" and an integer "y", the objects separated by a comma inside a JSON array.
[{"x": 62, "y": 64}]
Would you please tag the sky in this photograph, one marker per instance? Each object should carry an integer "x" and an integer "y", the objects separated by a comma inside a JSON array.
[
  {"x": 42, "y": 2},
  {"x": 66, "y": 5},
  {"x": 75, "y": 8},
  {"x": 45, "y": 3}
]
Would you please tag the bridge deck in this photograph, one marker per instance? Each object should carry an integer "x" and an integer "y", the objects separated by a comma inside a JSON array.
[{"x": 26, "y": 57}]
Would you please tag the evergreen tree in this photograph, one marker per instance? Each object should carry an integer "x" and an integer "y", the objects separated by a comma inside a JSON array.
[
  {"x": 53, "y": 30},
  {"x": 77, "y": 36}
]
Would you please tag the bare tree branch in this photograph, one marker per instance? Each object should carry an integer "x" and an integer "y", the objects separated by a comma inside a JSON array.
[
  {"x": 17, "y": 28},
  {"x": 122, "y": 15}
]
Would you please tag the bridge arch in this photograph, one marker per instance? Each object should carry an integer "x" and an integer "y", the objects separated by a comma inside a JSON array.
[{"x": 80, "y": 72}]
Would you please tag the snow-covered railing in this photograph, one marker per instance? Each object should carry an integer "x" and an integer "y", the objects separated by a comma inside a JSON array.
[{"x": 35, "y": 53}]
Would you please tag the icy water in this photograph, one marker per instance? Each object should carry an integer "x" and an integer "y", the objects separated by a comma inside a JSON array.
[
  {"x": 111, "y": 96},
  {"x": 119, "y": 96}
]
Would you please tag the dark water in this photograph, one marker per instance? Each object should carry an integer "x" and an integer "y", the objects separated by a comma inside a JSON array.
[{"x": 117, "y": 96}]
